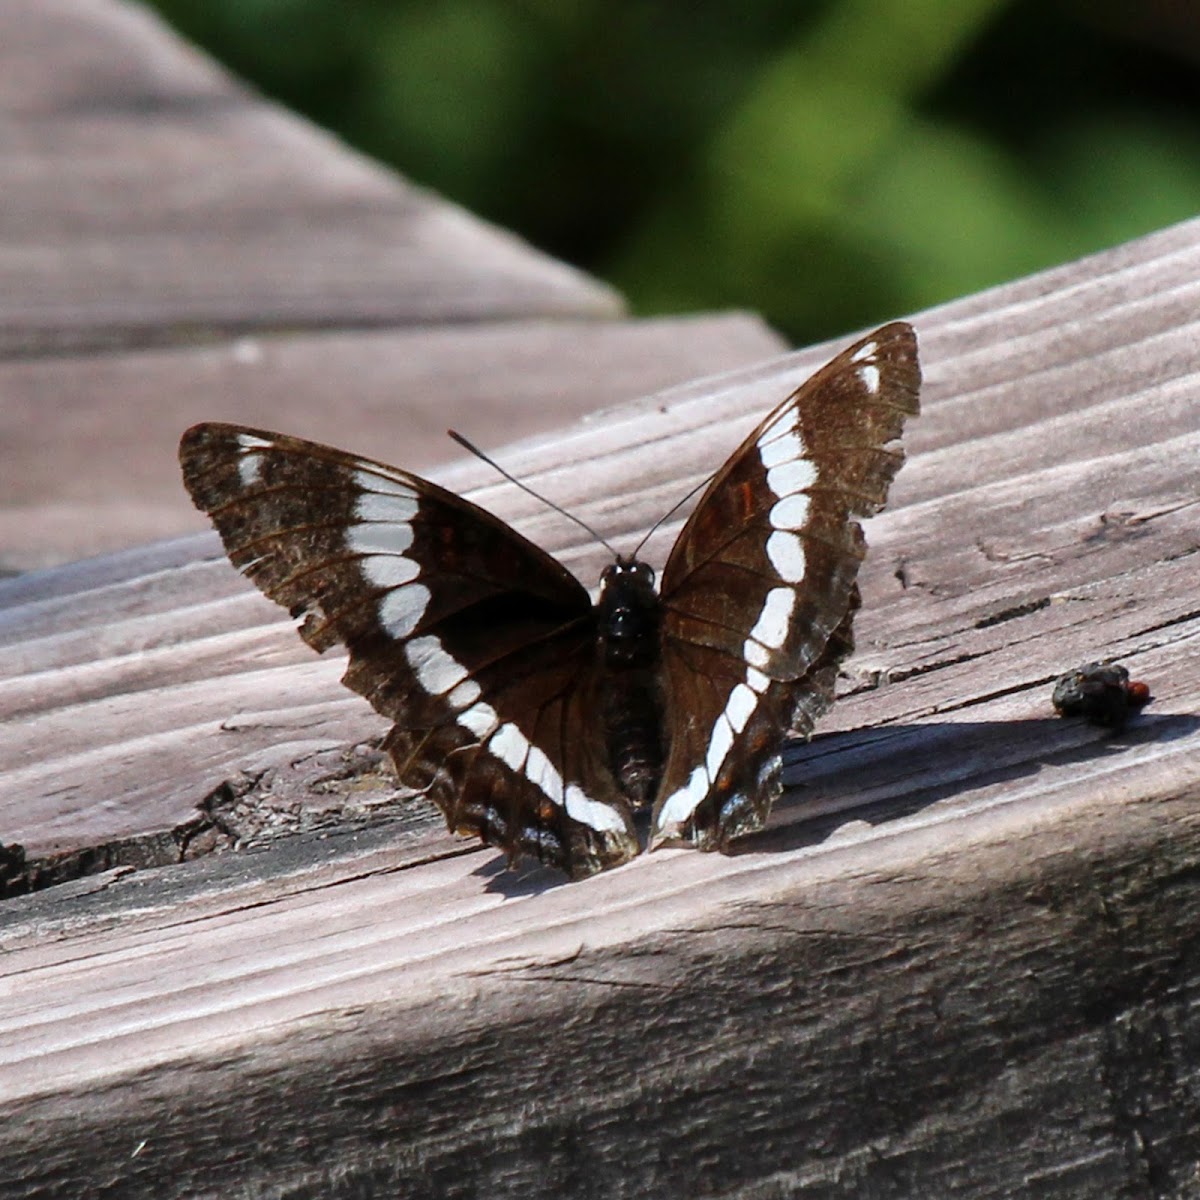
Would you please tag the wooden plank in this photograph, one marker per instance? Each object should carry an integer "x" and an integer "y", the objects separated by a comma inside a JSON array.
[
  {"x": 958, "y": 1007},
  {"x": 961, "y": 958},
  {"x": 88, "y": 442},
  {"x": 150, "y": 199},
  {"x": 963, "y": 529}
]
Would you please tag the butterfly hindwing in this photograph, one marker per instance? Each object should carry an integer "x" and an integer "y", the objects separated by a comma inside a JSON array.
[
  {"x": 478, "y": 644},
  {"x": 759, "y": 591}
]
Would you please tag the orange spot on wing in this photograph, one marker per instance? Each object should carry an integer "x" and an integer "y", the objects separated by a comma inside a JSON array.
[{"x": 745, "y": 495}]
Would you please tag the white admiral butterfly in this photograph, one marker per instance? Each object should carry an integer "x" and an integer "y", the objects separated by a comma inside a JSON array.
[{"x": 534, "y": 719}]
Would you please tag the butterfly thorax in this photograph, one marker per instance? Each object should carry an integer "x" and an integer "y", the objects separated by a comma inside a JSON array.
[{"x": 628, "y": 645}]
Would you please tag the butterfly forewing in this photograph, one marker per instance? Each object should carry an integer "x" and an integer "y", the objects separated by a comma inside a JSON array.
[
  {"x": 478, "y": 644},
  {"x": 759, "y": 591}
]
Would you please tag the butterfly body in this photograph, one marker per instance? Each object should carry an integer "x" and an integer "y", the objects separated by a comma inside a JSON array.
[
  {"x": 536, "y": 720},
  {"x": 628, "y": 629}
]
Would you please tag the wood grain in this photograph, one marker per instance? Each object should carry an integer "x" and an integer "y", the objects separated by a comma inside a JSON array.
[
  {"x": 961, "y": 958},
  {"x": 967, "y": 1006},
  {"x": 88, "y": 441},
  {"x": 150, "y": 199}
]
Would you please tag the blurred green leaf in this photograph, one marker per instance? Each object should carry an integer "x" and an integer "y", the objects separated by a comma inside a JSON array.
[{"x": 827, "y": 164}]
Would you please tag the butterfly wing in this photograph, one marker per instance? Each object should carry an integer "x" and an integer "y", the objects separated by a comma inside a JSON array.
[
  {"x": 759, "y": 591},
  {"x": 478, "y": 644}
]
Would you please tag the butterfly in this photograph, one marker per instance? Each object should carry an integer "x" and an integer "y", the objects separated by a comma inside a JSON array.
[{"x": 547, "y": 725}]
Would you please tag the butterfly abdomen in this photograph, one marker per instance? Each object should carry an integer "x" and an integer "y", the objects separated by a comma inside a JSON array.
[{"x": 633, "y": 732}]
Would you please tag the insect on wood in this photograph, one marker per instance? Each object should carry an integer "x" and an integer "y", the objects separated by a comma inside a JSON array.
[{"x": 546, "y": 725}]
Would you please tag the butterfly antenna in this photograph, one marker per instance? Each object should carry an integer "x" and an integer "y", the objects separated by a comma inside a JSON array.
[
  {"x": 668, "y": 515},
  {"x": 491, "y": 462}
]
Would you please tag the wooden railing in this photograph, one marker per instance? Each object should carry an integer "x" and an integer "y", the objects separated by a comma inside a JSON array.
[{"x": 962, "y": 960}]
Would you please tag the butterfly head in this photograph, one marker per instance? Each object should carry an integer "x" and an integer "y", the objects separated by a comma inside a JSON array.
[
  {"x": 628, "y": 608},
  {"x": 629, "y": 573}
]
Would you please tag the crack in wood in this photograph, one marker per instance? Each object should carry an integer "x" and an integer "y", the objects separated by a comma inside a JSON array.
[
  {"x": 994, "y": 554},
  {"x": 900, "y": 674},
  {"x": 635, "y": 984},
  {"x": 21, "y": 874},
  {"x": 342, "y": 790},
  {"x": 1173, "y": 622},
  {"x": 1013, "y": 613}
]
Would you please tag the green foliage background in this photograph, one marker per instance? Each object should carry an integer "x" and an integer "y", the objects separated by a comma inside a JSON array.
[{"x": 827, "y": 164}]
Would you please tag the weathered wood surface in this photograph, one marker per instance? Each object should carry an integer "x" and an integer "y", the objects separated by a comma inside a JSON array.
[
  {"x": 87, "y": 442},
  {"x": 962, "y": 959},
  {"x": 149, "y": 201},
  {"x": 147, "y": 198}
]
